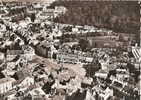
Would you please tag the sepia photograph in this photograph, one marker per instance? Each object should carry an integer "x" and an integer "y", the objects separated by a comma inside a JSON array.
[{"x": 70, "y": 49}]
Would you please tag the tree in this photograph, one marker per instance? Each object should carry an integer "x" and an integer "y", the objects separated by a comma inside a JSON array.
[
  {"x": 131, "y": 67},
  {"x": 121, "y": 38},
  {"x": 83, "y": 44},
  {"x": 33, "y": 17}
]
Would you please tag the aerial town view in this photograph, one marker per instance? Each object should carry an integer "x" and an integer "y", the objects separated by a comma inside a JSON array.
[{"x": 70, "y": 50}]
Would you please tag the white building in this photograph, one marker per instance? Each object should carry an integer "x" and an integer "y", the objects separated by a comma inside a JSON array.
[
  {"x": 2, "y": 28},
  {"x": 2, "y": 56},
  {"x": 27, "y": 81},
  {"x": 59, "y": 10},
  {"x": 137, "y": 53},
  {"x": 101, "y": 74},
  {"x": 122, "y": 74},
  {"x": 89, "y": 96},
  {"x": 29, "y": 52},
  {"x": 103, "y": 94},
  {"x": 104, "y": 65},
  {"x": 106, "y": 94},
  {"x": 6, "y": 84}
]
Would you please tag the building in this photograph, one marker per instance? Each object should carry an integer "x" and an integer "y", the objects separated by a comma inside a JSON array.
[
  {"x": 6, "y": 84},
  {"x": 59, "y": 10},
  {"x": 101, "y": 74},
  {"x": 137, "y": 53},
  {"x": 29, "y": 52},
  {"x": 2, "y": 28},
  {"x": 122, "y": 74},
  {"x": 2, "y": 57},
  {"x": 42, "y": 50},
  {"x": 73, "y": 58},
  {"x": 11, "y": 54},
  {"x": 23, "y": 78},
  {"x": 36, "y": 95},
  {"x": 67, "y": 58},
  {"x": 27, "y": 81},
  {"x": 89, "y": 96},
  {"x": 103, "y": 93},
  {"x": 106, "y": 94},
  {"x": 118, "y": 85},
  {"x": 47, "y": 14},
  {"x": 104, "y": 65}
]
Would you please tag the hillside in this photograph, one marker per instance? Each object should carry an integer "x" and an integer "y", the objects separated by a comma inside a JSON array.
[{"x": 118, "y": 16}]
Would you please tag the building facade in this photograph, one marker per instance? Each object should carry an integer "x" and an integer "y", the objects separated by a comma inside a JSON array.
[{"x": 6, "y": 84}]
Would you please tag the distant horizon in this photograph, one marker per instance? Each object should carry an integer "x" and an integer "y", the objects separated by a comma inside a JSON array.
[
  {"x": 26, "y": 0},
  {"x": 52, "y": 0}
]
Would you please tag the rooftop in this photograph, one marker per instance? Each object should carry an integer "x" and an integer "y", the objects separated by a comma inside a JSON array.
[
  {"x": 14, "y": 52},
  {"x": 8, "y": 79}
]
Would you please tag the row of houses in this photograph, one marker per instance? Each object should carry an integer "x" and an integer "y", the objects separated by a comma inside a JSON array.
[
  {"x": 7, "y": 84},
  {"x": 73, "y": 58},
  {"x": 27, "y": 53},
  {"x": 46, "y": 52}
]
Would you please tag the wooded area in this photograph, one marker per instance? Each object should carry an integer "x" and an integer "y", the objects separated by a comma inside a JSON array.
[{"x": 120, "y": 16}]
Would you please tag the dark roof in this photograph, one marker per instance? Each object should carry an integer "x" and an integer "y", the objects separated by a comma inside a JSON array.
[
  {"x": 117, "y": 84},
  {"x": 128, "y": 89},
  {"x": 20, "y": 75}
]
